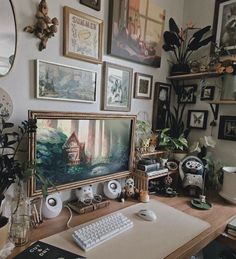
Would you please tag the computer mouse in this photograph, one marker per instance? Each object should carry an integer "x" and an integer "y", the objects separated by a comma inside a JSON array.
[{"x": 146, "y": 214}]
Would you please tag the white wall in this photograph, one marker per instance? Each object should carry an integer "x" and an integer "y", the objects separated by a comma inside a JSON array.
[
  {"x": 201, "y": 13},
  {"x": 20, "y": 82}
]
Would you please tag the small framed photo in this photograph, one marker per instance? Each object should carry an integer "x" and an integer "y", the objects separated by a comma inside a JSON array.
[
  {"x": 207, "y": 93},
  {"x": 161, "y": 105},
  {"x": 59, "y": 82},
  {"x": 117, "y": 87},
  {"x": 187, "y": 94},
  {"x": 94, "y": 4},
  {"x": 227, "y": 128},
  {"x": 143, "y": 86},
  {"x": 83, "y": 36},
  {"x": 197, "y": 119}
]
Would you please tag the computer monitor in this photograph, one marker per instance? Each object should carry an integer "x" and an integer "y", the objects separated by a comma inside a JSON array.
[{"x": 75, "y": 149}]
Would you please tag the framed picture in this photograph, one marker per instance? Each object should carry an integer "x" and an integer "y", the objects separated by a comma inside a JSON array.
[
  {"x": 117, "y": 87},
  {"x": 83, "y": 36},
  {"x": 188, "y": 94},
  {"x": 197, "y": 119},
  {"x": 59, "y": 82},
  {"x": 94, "y": 4},
  {"x": 143, "y": 86},
  {"x": 75, "y": 149},
  {"x": 161, "y": 105},
  {"x": 207, "y": 93},
  {"x": 227, "y": 128},
  {"x": 135, "y": 31},
  {"x": 224, "y": 25}
]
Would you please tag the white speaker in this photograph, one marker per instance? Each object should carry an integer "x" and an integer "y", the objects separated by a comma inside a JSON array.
[
  {"x": 52, "y": 206},
  {"x": 112, "y": 189}
]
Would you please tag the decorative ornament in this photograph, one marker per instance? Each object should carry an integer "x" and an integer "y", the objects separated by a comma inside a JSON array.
[
  {"x": 45, "y": 27},
  {"x": 6, "y": 105}
]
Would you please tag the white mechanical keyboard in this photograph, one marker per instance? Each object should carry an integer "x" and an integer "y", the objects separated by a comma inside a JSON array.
[{"x": 98, "y": 232}]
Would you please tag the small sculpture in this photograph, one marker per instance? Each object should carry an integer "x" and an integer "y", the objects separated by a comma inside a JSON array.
[{"x": 45, "y": 27}]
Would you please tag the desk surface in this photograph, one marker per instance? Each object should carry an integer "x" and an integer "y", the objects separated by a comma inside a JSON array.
[{"x": 217, "y": 217}]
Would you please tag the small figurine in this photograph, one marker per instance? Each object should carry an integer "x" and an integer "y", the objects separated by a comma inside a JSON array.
[
  {"x": 45, "y": 27},
  {"x": 129, "y": 187},
  {"x": 144, "y": 196}
]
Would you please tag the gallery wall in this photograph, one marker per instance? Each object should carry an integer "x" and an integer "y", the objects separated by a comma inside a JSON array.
[
  {"x": 201, "y": 13},
  {"x": 20, "y": 82}
]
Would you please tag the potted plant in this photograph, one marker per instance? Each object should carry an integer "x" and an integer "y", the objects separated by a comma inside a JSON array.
[
  {"x": 172, "y": 144},
  {"x": 182, "y": 45},
  {"x": 12, "y": 170}
]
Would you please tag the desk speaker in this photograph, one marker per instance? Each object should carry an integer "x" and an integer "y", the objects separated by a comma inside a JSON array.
[
  {"x": 52, "y": 206},
  {"x": 112, "y": 189}
]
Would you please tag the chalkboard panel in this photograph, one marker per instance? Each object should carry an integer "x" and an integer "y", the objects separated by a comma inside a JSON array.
[{"x": 41, "y": 250}]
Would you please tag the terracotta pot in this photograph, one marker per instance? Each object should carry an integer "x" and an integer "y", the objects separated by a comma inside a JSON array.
[{"x": 4, "y": 231}]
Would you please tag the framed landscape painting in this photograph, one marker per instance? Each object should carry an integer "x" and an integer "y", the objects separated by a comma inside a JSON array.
[
  {"x": 83, "y": 36},
  {"x": 224, "y": 25},
  {"x": 117, "y": 81},
  {"x": 59, "y": 82},
  {"x": 135, "y": 31}
]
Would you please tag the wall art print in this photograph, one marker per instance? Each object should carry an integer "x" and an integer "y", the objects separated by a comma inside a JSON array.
[
  {"x": 117, "y": 82},
  {"x": 135, "y": 31},
  {"x": 227, "y": 128},
  {"x": 6, "y": 105},
  {"x": 207, "y": 93},
  {"x": 197, "y": 119},
  {"x": 188, "y": 94},
  {"x": 143, "y": 86},
  {"x": 60, "y": 82},
  {"x": 224, "y": 25},
  {"x": 161, "y": 106},
  {"x": 83, "y": 36}
]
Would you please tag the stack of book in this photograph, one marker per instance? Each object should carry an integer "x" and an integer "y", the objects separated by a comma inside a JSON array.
[
  {"x": 231, "y": 227},
  {"x": 150, "y": 167}
]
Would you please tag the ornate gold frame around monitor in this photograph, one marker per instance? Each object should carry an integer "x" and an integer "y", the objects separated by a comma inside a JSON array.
[{"x": 75, "y": 149}]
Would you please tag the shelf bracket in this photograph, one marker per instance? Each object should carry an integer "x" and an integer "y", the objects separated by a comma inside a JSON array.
[{"x": 215, "y": 110}]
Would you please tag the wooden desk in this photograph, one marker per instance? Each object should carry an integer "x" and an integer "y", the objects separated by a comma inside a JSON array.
[{"x": 218, "y": 217}]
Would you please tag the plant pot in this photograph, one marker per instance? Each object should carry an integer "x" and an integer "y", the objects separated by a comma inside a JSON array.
[
  {"x": 179, "y": 69},
  {"x": 4, "y": 230},
  {"x": 178, "y": 155}
]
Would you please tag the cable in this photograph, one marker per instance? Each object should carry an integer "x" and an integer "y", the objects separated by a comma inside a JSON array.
[{"x": 70, "y": 218}]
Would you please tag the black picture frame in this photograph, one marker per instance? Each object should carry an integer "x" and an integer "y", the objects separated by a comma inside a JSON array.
[
  {"x": 227, "y": 128},
  {"x": 161, "y": 105},
  {"x": 197, "y": 119},
  {"x": 188, "y": 94},
  {"x": 223, "y": 36},
  {"x": 94, "y": 4},
  {"x": 207, "y": 93},
  {"x": 143, "y": 86}
]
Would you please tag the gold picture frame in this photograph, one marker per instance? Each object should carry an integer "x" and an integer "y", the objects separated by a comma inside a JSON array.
[
  {"x": 83, "y": 36},
  {"x": 70, "y": 151}
]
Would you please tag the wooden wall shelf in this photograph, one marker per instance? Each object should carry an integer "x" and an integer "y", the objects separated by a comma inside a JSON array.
[
  {"x": 193, "y": 76},
  {"x": 222, "y": 102}
]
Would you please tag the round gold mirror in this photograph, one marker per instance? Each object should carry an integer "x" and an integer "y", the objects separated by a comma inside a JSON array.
[{"x": 7, "y": 36}]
